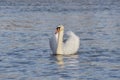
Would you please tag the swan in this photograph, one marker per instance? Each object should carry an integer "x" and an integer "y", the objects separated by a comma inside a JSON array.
[{"x": 70, "y": 46}]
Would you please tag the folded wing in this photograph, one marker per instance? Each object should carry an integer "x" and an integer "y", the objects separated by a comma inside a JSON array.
[{"x": 71, "y": 45}]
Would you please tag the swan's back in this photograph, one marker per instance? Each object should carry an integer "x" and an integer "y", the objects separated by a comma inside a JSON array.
[{"x": 71, "y": 46}]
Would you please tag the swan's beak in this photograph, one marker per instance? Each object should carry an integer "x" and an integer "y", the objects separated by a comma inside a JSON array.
[{"x": 57, "y": 30}]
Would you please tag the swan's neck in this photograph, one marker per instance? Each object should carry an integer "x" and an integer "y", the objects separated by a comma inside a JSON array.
[{"x": 60, "y": 43}]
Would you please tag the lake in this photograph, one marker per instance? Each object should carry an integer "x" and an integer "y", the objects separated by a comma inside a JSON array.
[{"x": 25, "y": 29}]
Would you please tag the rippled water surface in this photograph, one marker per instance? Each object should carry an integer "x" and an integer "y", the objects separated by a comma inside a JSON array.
[{"x": 24, "y": 46}]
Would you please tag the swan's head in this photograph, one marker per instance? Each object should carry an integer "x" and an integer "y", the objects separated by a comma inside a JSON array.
[{"x": 59, "y": 28}]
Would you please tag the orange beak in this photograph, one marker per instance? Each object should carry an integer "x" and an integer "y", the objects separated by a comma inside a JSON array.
[{"x": 56, "y": 31}]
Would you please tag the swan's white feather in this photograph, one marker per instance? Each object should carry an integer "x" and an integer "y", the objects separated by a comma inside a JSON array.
[
  {"x": 53, "y": 43},
  {"x": 71, "y": 46}
]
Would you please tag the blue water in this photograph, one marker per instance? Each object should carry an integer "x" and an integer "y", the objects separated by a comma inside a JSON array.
[{"x": 25, "y": 27}]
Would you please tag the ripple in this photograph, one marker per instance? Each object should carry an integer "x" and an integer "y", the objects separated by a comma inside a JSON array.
[{"x": 25, "y": 53}]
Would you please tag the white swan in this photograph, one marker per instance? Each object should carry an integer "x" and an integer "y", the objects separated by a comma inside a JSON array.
[{"x": 70, "y": 46}]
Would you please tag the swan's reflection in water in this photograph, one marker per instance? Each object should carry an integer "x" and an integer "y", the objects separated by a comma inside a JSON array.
[
  {"x": 68, "y": 66},
  {"x": 60, "y": 60},
  {"x": 67, "y": 60}
]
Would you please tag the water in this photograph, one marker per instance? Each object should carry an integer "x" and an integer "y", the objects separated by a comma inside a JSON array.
[{"x": 26, "y": 26}]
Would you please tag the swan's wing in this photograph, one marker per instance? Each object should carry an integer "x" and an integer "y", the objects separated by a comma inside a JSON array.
[
  {"x": 71, "y": 46},
  {"x": 53, "y": 44}
]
